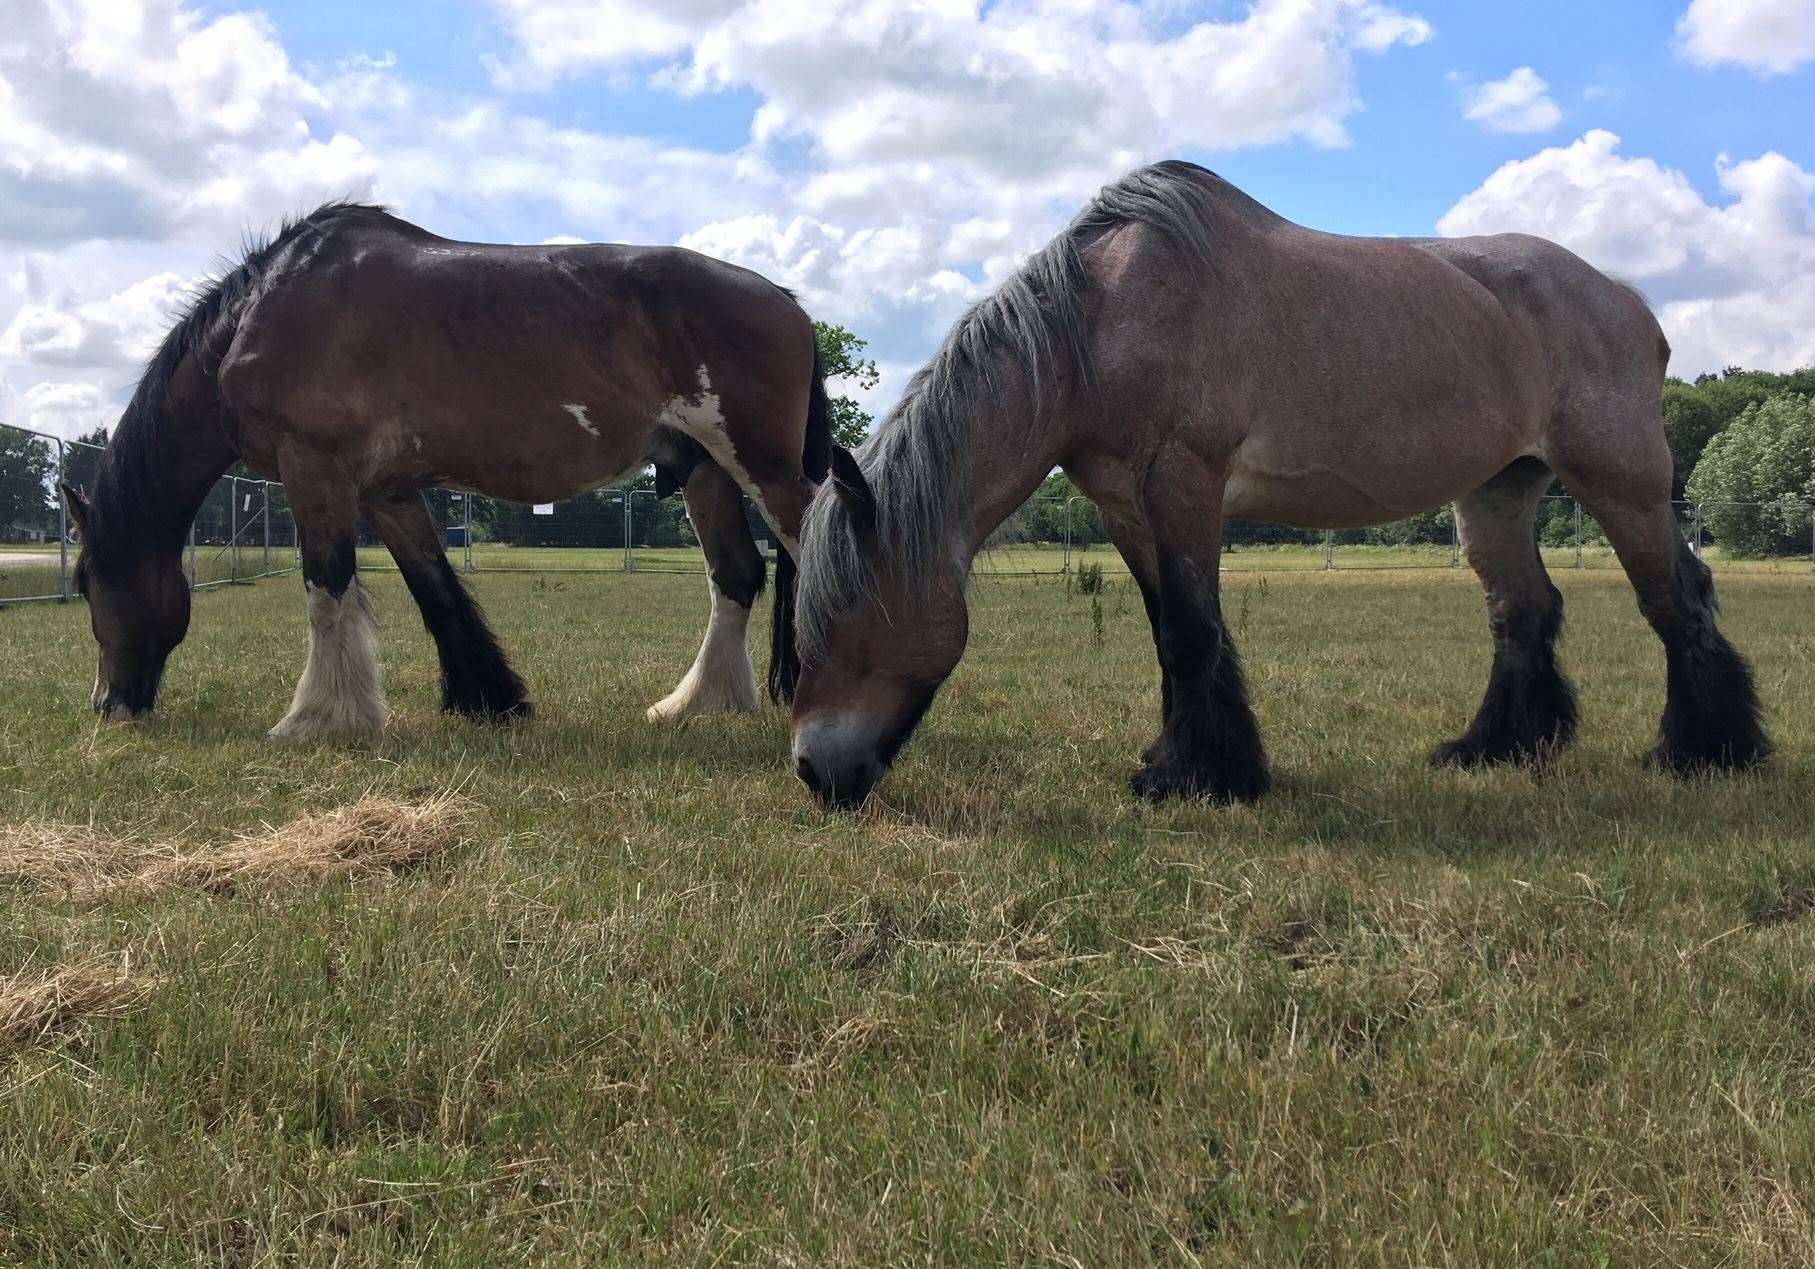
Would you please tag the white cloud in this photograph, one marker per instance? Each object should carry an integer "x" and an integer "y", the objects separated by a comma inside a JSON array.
[
  {"x": 943, "y": 139},
  {"x": 143, "y": 119},
  {"x": 556, "y": 38},
  {"x": 1045, "y": 90},
  {"x": 117, "y": 329},
  {"x": 1771, "y": 36},
  {"x": 1734, "y": 282},
  {"x": 59, "y": 409},
  {"x": 1519, "y": 103},
  {"x": 842, "y": 273}
]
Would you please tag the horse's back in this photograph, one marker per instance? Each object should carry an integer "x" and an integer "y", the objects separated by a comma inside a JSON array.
[{"x": 1590, "y": 323}]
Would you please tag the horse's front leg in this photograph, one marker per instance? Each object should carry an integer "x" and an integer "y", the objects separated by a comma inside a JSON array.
[
  {"x": 339, "y": 692},
  {"x": 476, "y": 677},
  {"x": 721, "y": 679},
  {"x": 1209, "y": 745}
]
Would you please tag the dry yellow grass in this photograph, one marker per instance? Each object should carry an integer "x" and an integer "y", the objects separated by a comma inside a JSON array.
[
  {"x": 36, "y": 1005},
  {"x": 373, "y": 836},
  {"x": 63, "y": 857}
]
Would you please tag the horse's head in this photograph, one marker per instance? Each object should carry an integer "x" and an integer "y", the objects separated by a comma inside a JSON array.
[
  {"x": 138, "y": 607},
  {"x": 872, "y": 667}
]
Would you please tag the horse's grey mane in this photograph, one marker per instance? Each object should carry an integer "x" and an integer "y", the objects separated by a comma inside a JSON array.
[{"x": 917, "y": 457}]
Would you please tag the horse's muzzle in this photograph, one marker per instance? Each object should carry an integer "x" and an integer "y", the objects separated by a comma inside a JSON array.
[
  {"x": 133, "y": 699},
  {"x": 839, "y": 762}
]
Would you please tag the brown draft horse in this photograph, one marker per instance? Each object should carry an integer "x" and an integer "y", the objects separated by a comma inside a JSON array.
[
  {"x": 1187, "y": 355},
  {"x": 359, "y": 360}
]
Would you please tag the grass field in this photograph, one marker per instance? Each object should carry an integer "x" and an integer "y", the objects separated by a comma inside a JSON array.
[
  {"x": 652, "y": 1006},
  {"x": 31, "y": 572}
]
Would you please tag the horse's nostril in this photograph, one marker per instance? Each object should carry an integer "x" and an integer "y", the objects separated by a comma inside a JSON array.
[{"x": 808, "y": 774}]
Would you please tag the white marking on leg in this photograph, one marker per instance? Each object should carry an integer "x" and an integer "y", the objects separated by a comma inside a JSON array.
[
  {"x": 700, "y": 417},
  {"x": 579, "y": 416},
  {"x": 339, "y": 691},
  {"x": 722, "y": 680}
]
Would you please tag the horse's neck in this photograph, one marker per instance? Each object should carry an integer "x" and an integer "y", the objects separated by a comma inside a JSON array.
[
  {"x": 182, "y": 457},
  {"x": 1013, "y": 448}
]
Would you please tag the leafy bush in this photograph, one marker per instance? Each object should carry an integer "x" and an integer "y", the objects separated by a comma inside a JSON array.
[
  {"x": 1756, "y": 480},
  {"x": 1090, "y": 579}
]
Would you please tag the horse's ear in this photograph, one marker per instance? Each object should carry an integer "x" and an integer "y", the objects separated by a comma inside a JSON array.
[
  {"x": 853, "y": 489},
  {"x": 77, "y": 502}
]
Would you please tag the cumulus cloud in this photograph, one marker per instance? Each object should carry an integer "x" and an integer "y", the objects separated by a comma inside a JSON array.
[
  {"x": 59, "y": 409},
  {"x": 123, "y": 328},
  {"x": 139, "y": 138},
  {"x": 1734, "y": 280},
  {"x": 1770, "y": 36},
  {"x": 845, "y": 273},
  {"x": 143, "y": 119},
  {"x": 1519, "y": 103},
  {"x": 1045, "y": 90}
]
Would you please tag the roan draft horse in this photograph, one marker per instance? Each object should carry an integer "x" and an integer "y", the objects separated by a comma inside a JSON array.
[
  {"x": 1187, "y": 355},
  {"x": 359, "y": 360}
]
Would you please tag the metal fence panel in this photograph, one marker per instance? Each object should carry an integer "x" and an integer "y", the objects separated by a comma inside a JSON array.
[{"x": 32, "y": 538}]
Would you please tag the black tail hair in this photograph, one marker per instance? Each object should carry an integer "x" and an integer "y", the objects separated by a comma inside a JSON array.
[{"x": 816, "y": 462}]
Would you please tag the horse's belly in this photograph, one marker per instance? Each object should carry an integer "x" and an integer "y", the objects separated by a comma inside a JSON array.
[
  {"x": 1347, "y": 476},
  {"x": 547, "y": 457}
]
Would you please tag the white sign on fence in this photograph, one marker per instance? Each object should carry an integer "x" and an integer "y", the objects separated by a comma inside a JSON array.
[{"x": 544, "y": 508}]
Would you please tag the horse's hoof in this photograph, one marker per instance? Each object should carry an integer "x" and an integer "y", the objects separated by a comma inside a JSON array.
[
  {"x": 1690, "y": 763},
  {"x": 305, "y": 730},
  {"x": 1157, "y": 781},
  {"x": 680, "y": 711},
  {"x": 666, "y": 712},
  {"x": 1465, "y": 754},
  {"x": 484, "y": 712}
]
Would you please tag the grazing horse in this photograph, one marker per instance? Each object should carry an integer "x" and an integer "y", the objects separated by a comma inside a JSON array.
[
  {"x": 360, "y": 360},
  {"x": 1187, "y": 355}
]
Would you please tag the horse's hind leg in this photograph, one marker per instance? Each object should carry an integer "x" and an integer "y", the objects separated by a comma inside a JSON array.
[
  {"x": 476, "y": 679},
  {"x": 1529, "y": 710},
  {"x": 339, "y": 691},
  {"x": 721, "y": 679},
  {"x": 1711, "y": 711}
]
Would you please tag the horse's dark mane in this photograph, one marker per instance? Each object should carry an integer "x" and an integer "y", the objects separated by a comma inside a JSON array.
[
  {"x": 917, "y": 457},
  {"x": 131, "y": 511}
]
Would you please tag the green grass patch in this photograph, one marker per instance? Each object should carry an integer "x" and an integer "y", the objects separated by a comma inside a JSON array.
[{"x": 655, "y": 1007}]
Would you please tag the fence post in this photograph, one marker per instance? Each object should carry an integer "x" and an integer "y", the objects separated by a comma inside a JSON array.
[
  {"x": 1455, "y": 539},
  {"x": 265, "y": 514},
  {"x": 1329, "y": 549},
  {"x": 192, "y": 555},
  {"x": 1578, "y": 518},
  {"x": 629, "y": 563},
  {"x": 1698, "y": 530},
  {"x": 1065, "y": 568},
  {"x": 62, "y": 524},
  {"x": 466, "y": 555},
  {"x": 233, "y": 529}
]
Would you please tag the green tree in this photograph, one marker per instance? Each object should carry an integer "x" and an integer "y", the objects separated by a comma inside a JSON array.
[
  {"x": 840, "y": 352},
  {"x": 27, "y": 466},
  {"x": 82, "y": 458},
  {"x": 1695, "y": 413},
  {"x": 1756, "y": 479}
]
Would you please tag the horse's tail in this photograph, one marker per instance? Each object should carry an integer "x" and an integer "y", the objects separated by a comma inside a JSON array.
[{"x": 816, "y": 462}]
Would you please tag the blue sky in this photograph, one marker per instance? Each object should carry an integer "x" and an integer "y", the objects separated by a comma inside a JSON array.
[
  {"x": 1610, "y": 65},
  {"x": 891, "y": 159}
]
